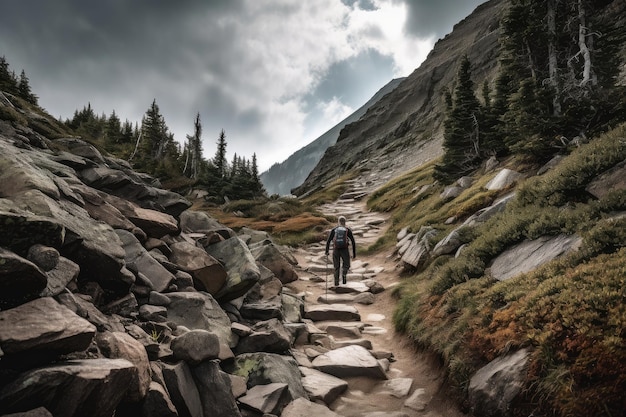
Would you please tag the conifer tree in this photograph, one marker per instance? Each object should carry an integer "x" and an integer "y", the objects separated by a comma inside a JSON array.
[
  {"x": 23, "y": 89},
  {"x": 219, "y": 160},
  {"x": 8, "y": 83},
  {"x": 113, "y": 130},
  {"x": 461, "y": 130}
]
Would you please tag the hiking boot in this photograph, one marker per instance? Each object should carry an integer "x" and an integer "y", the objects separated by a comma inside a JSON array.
[{"x": 345, "y": 281}]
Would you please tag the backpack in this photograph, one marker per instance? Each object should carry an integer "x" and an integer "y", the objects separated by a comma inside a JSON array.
[{"x": 341, "y": 238}]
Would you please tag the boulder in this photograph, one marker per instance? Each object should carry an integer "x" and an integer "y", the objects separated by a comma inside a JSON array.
[
  {"x": 266, "y": 336},
  {"x": 269, "y": 255},
  {"x": 503, "y": 179},
  {"x": 493, "y": 387},
  {"x": 22, "y": 229},
  {"x": 417, "y": 252},
  {"x": 79, "y": 304},
  {"x": 208, "y": 274},
  {"x": 199, "y": 310},
  {"x": 20, "y": 279},
  {"x": 241, "y": 268},
  {"x": 337, "y": 312},
  {"x": 196, "y": 346},
  {"x": 321, "y": 386},
  {"x": 349, "y": 361},
  {"x": 262, "y": 368},
  {"x": 182, "y": 389},
  {"x": 301, "y": 407},
  {"x": 60, "y": 276},
  {"x": 448, "y": 244},
  {"x": 216, "y": 394},
  {"x": 610, "y": 181},
  {"x": 155, "y": 223},
  {"x": 200, "y": 222},
  {"x": 418, "y": 401},
  {"x": 45, "y": 257},
  {"x": 139, "y": 260},
  {"x": 81, "y": 148},
  {"x": 118, "y": 345},
  {"x": 158, "y": 403},
  {"x": 42, "y": 329},
  {"x": 104, "y": 382},
  {"x": 529, "y": 255},
  {"x": 398, "y": 387},
  {"x": 267, "y": 399},
  {"x": 263, "y": 309}
]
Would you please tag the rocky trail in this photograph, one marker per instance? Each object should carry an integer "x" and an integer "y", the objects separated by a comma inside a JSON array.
[{"x": 359, "y": 315}]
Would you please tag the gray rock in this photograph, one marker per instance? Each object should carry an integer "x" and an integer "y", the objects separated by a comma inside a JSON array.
[
  {"x": 81, "y": 148},
  {"x": 216, "y": 394},
  {"x": 37, "y": 412},
  {"x": 118, "y": 345},
  {"x": 241, "y": 268},
  {"x": 301, "y": 407},
  {"x": 43, "y": 256},
  {"x": 182, "y": 389},
  {"x": 293, "y": 308},
  {"x": 529, "y": 255},
  {"x": 139, "y": 260},
  {"x": 262, "y": 368},
  {"x": 339, "y": 312},
  {"x": 60, "y": 276},
  {"x": 267, "y": 399},
  {"x": 208, "y": 274},
  {"x": 196, "y": 346},
  {"x": 366, "y": 298},
  {"x": 398, "y": 387},
  {"x": 612, "y": 180},
  {"x": 263, "y": 309},
  {"x": 331, "y": 298},
  {"x": 20, "y": 279},
  {"x": 149, "y": 312},
  {"x": 155, "y": 223},
  {"x": 200, "y": 222},
  {"x": 503, "y": 179},
  {"x": 349, "y": 361},
  {"x": 321, "y": 386},
  {"x": 417, "y": 252},
  {"x": 448, "y": 244},
  {"x": 87, "y": 310},
  {"x": 418, "y": 400},
  {"x": 451, "y": 192},
  {"x": 199, "y": 310},
  {"x": 267, "y": 336},
  {"x": 42, "y": 328},
  {"x": 269, "y": 255},
  {"x": 158, "y": 403},
  {"x": 366, "y": 343},
  {"x": 492, "y": 389},
  {"x": 104, "y": 381}
]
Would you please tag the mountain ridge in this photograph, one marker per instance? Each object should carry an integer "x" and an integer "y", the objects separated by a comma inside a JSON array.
[{"x": 281, "y": 177}]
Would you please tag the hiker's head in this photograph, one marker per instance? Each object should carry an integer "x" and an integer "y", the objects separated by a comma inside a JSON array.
[{"x": 342, "y": 220}]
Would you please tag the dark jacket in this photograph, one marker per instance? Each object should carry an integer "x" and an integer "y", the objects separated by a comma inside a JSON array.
[{"x": 331, "y": 236}]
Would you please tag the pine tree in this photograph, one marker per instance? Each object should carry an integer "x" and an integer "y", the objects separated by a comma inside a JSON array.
[
  {"x": 23, "y": 89},
  {"x": 193, "y": 150},
  {"x": 113, "y": 131},
  {"x": 461, "y": 130},
  {"x": 8, "y": 82},
  {"x": 219, "y": 160}
]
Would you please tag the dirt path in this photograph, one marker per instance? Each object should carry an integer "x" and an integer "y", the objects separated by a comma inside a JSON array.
[{"x": 427, "y": 395}]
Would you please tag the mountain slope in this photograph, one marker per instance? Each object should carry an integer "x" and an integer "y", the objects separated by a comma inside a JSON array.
[
  {"x": 404, "y": 128},
  {"x": 282, "y": 177}
]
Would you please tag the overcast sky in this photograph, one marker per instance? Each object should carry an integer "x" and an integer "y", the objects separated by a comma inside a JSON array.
[{"x": 274, "y": 74}]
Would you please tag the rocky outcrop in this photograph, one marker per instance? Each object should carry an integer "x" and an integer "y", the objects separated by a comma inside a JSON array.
[{"x": 115, "y": 301}]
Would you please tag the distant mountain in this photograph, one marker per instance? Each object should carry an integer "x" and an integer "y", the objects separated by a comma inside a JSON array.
[
  {"x": 404, "y": 129},
  {"x": 282, "y": 177}
]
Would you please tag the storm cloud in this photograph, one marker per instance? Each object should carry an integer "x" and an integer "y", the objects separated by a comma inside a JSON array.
[{"x": 274, "y": 74}]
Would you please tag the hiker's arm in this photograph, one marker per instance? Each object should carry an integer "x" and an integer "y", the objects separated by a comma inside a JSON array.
[
  {"x": 351, "y": 236},
  {"x": 330, "y": 238}
]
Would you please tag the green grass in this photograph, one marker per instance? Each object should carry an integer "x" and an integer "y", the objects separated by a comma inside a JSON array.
[{"x": 570, "y": 311}]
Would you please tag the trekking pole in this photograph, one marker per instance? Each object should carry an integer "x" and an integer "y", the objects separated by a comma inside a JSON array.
[{"x": 326, "y": 276}]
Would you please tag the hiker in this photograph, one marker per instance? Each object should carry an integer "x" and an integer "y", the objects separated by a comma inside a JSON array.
[{"x": 341, "y": 250}]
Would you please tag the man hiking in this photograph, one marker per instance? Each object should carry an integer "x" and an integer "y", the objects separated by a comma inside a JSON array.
[{"x": 341, "y": 251}]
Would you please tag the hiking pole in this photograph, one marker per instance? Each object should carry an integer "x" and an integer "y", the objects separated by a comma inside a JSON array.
[{"x": 326, "y": 276}]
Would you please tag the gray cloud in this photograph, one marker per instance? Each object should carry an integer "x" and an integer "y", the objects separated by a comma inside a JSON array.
[
  {"x": 436, "y": 17},
  {"x": 263, "y": 71}
]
